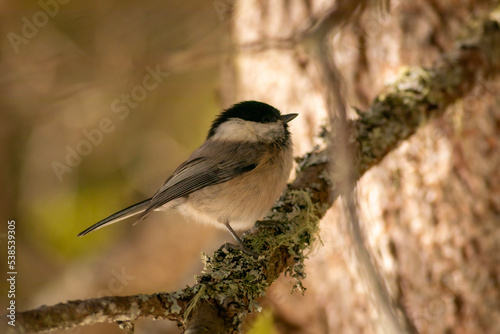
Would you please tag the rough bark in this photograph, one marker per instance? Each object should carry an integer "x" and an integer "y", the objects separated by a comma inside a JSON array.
[{"x": 427, "y": 209}]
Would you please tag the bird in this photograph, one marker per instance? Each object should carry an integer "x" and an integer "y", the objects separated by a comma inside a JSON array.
[{"x": 233, "y": 179}]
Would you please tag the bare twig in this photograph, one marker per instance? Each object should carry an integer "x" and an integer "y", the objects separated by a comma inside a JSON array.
[{"x": 334, "y": 86}]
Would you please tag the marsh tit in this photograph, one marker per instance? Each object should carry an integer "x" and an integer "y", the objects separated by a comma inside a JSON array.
[{"x": 233, "y": 178}]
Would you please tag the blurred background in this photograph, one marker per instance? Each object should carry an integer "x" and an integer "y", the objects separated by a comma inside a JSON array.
[{"x": 100, "y": 102}]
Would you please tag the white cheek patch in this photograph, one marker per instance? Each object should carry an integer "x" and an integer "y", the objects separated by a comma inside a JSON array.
[
  {"x": 235, "y": 130},
  {"x": 241, "y": 130}
]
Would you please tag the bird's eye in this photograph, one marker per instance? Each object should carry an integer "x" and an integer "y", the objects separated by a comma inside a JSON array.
[{"x": 266, "y": 119}]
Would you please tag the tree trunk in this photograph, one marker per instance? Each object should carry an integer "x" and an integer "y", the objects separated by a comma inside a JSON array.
[{"x": 430, "y": 212}]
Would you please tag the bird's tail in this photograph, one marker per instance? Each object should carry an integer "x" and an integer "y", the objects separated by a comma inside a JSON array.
[{"x": 120, "y": 215}]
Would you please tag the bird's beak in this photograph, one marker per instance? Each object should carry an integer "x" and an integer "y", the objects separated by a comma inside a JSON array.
[{"x": 288, "y": 117}]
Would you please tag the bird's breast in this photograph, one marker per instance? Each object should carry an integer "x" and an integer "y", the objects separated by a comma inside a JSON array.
[{"x": 244, "y": 199}]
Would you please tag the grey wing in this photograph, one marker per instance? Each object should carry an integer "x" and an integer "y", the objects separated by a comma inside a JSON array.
[{"x": 203, "y": 170}]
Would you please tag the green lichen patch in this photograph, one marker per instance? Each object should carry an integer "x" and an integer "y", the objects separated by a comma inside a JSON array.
[{"x": 235, "y": 276}]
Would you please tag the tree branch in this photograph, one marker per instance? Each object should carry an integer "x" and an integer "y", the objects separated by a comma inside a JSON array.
[{"x": 232, "y": 281}]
